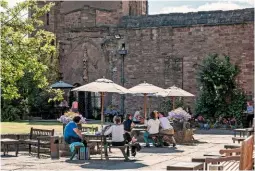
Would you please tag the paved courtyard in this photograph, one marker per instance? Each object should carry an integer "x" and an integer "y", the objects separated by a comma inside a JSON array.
[{"x": 147, "y": 159}]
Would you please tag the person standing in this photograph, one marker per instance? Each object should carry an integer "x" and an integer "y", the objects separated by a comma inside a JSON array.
[
  {"x": 75, "y": 106},
  {"x": 166, "y": 128},
  {"x": 250, "y": 113}
]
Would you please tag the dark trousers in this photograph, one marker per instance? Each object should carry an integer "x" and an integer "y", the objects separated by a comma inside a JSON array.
[{"x": 250, "y": 120}]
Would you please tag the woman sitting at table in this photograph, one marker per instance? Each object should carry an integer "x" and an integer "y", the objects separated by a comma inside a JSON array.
[
  {"x": 72, "y": 133},
  {"x": 152, "y": 127},
  {"x": 118, "y": 132}
]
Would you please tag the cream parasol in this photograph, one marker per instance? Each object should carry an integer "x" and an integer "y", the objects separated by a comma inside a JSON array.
[
  {"x": 174, "y": 92},
  {"x": 145, "y": 89},
  {"x": 102, "y": 86}
]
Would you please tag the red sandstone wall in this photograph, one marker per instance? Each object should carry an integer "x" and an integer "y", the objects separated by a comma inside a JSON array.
[{"x": 153, "y": 51}]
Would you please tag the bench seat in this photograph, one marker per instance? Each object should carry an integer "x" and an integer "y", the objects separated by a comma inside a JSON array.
[
  {"x": 186, "y": 166},
  {"x": 239, "y": 139}
]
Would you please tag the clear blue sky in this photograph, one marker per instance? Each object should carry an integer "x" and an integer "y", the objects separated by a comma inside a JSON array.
[{"x": 169, "y": 6}]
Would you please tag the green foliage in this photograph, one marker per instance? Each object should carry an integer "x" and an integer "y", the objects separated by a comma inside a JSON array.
[
  {"x": 167, "y": 105},
  {"x": 28, "y": 58},
  {"x": 219, "y": 94}
]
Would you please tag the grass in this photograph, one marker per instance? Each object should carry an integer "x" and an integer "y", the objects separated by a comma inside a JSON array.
[{"x": 24, "y": 127}]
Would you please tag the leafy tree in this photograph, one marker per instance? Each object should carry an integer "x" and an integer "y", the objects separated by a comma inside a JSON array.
[
  {"x": 28, "y": 58},
  {"x": 219, "y": 93}
]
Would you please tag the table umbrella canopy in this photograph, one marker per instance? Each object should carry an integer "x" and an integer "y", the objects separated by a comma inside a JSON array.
[
  {"x": 145, "y": 89},
  {"x": 174, "y": 91},
  {"x": 61, "y": 85},
  {"x": 102, "y": 85}
]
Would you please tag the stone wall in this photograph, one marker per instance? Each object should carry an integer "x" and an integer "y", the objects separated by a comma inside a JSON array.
[
  {"x": 167, "y": 56},
  {"x": 164, "y": 50},
  {"x": 189, "y": 19}
]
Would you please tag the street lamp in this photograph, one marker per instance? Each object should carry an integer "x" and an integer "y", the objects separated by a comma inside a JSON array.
[{"x": 123, "y": 53}]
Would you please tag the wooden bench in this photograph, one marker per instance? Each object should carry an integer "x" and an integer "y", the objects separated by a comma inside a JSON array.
[
  {"x": 122, "y": 149},
  {"x": 238, "y": 139},
  {"x": 244, "y": 161},
  {"x": 186, "y": 166},
  {"x": 39, "y": 138},
  {"x": 231, "y": 146}
]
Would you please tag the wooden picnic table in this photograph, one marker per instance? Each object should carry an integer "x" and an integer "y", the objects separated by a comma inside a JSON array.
[
  {"x": 6, "y": 142},
  {"x": 243, "y": 131}
]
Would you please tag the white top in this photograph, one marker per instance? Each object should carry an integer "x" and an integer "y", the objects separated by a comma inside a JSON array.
[
  {"x": 153, "y": 126},
  {"x": 117, "y": 132},
  {"x": 164, "y": 123},
  {"x": 136, "y": 115}
]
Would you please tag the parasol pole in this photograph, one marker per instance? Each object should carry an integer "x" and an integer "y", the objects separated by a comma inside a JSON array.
[
  {"x": 145, "y": 107},
  {"x": 173, "y": 101},
  {"x": 102, "y": 122}
]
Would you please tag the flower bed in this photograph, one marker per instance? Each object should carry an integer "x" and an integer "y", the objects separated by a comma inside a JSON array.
[{"x": 68, "y": 116}]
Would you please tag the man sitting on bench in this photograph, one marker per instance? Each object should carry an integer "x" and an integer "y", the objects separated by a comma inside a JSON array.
[
  {"x": 72, "y": 133},
  {"x": 166, "y": 128}
]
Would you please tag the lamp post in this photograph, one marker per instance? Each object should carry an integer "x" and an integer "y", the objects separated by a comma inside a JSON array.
[{"x": 123, "y": 53}]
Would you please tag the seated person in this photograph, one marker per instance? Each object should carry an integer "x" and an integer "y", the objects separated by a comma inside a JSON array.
[
  {"x": 152, "y": 127},
  {"x": 118, "y": 132},
  {"x": 72, "y": 133},
  {"x": 128, "y": 123},
  {"x": 137, "y": 116},
  {"x": 166, "y": 127}
]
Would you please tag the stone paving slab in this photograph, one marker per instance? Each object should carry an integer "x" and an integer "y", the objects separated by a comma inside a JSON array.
[{"x": 147, "y": 159}]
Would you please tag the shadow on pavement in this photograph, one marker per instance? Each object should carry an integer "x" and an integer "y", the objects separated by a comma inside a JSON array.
[
  {"x": 215, "y": 132},
  {"x": 160, "y": 150},
  {"x": 112, "y": 164}
]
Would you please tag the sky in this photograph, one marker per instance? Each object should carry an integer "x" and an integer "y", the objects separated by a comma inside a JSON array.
[{"x": 184, "y": 6}]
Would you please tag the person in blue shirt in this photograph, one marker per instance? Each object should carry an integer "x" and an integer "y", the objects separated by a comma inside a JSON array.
[
  {"x": 250, "y": 112},
  {"x": 71, "y": 131}
]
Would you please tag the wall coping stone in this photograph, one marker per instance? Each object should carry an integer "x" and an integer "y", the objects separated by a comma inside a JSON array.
[{"x": 209, "y": 18}]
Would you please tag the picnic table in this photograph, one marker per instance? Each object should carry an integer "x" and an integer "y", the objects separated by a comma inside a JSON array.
[
  {"x": 137, "y": 129},
  {"x": 243, "y": 132},
  {"x": 6, "y": 142}
]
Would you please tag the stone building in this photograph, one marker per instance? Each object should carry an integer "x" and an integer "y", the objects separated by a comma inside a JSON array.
[{"x": 162, "y": 49}]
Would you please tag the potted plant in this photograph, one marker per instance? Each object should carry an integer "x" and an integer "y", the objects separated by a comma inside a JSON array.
[{"x": 178, "y": 116}]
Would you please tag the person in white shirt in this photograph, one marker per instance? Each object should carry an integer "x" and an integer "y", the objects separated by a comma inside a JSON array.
[
  {"x": 166, "y": 128},
  {"x": 118, "y": 132},
  {"x": 152, "y": 128}
]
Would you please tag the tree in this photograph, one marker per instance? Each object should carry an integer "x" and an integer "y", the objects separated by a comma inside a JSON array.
[
  {"x": 219, "y": 93},
  {"x": 28, "y": 55}
]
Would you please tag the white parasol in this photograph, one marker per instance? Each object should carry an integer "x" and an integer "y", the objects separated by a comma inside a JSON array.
[
  {"x": 174, "y": 92},
  {"x": 145, "y": 89},
  {"x": 102, "y": 86}
]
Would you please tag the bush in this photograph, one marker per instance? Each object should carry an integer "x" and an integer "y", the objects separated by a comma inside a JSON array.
[{"x": 219, "y": 94}]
